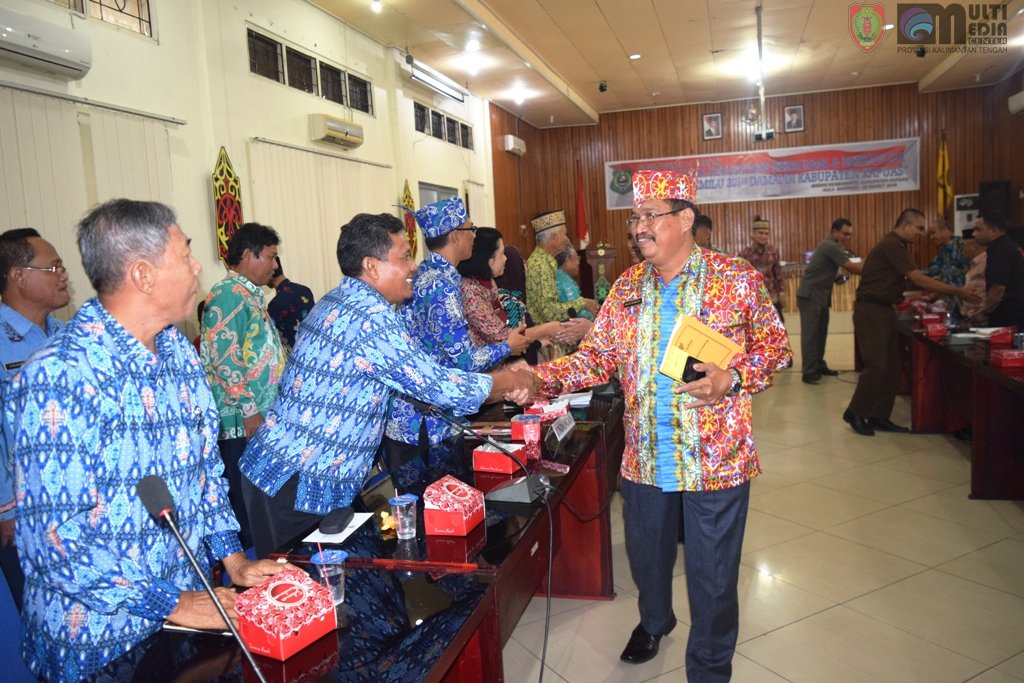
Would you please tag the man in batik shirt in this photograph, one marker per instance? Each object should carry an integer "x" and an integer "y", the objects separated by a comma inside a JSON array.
[
  {"x": 423, "y": 448},
  {"x": 950, "y": 263},
  {"x": 117, "y": 396},
  {"x": 320, "y": 437},
  {"x": 290, "y": 305},
  {"x": 689, "y": 446},
  {"x": 541, "y": 273},
  {"x": 241, "y": 349},
  {"x": 765, "y": 258},
  {"x": 33, "y": 284}
]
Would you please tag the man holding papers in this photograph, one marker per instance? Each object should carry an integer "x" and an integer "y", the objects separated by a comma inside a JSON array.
[{"x": 689, "y": 445}]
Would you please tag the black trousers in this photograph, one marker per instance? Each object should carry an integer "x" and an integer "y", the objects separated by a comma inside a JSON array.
[
  {"x": 274, "y": 519},
  {"x": 12, "y": 572},
  {"x": 714, "y": 522},
  {"x": 813, "y": 333},
  {"x": 231, "y": 452},
  {"x": 874, "y": 328}
]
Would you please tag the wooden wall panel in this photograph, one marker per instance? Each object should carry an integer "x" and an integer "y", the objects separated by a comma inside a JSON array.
[{"x": 986, "y": 142}]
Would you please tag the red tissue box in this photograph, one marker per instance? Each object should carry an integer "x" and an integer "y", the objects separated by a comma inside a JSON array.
[
  {"x": 935, "y": 330},
  {"x": 1008, "y": 358},
  {"x": 547, "y": 411},
  {"x": 284, "y": 614},
  {"x": 457, "y": 548},
  {"x": 487, "y": 458},
  {"x": 451, "y": 507},
  {"x": 930, "y": 319},
  {"x": 309, "y": 665},
  {"x": 1002, "y": 337}
]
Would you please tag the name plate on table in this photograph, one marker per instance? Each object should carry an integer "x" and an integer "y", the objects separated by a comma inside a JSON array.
[{"x": 563, "y": 425}]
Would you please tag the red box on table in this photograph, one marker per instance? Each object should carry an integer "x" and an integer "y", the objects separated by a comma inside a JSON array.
[
  {"x": 284, "y": 614},
  {"x": 457, "y": 548},
  {"x": 546, "y": 411},
  {"x": 1008, "y": 358},
  {"x": 1002, "y": 337},
  {"x": 451, "y": 507},
  {"x": 487, "y": 458},
  {"x": 935, "y": 330},
  {"x": 310, "y": 664},
  {"x": 930, "y": 319}
]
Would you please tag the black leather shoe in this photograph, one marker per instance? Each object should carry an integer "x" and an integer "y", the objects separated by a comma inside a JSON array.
[
  {"x": 642, "y": 646},
  {"x": 859, "y": 424},
  {"x": 887, "y": 425},
  {"x": 827, "y": 371},
  {"x": 811, "y": 379}
]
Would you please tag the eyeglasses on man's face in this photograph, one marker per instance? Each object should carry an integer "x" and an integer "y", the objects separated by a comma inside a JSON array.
[
  {"x": 58, "y": 269},
  {"x": 647, "y": 217},
  {"x": 471, "y": 229}
]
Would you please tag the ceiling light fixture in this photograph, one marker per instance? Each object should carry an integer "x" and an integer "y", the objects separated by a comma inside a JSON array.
[
  {"x": 635, "y": 55},
  {"x": 376, "y": 6},
  {"x": 889, "y": 27},
  {"x": 472, "y": 45},
  {"x": 437, "y": 82}
]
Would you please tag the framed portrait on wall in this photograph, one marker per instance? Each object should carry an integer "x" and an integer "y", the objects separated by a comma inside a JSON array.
[
  {"x": 712, "y": 126},
  {"x": 794, "y": 122}
]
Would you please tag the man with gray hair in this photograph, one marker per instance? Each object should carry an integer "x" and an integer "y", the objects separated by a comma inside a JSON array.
[
  {"x": 118, "y": 396},
  {"x": 541, "y": 268}
]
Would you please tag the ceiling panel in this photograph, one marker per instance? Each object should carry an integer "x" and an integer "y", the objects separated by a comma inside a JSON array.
[{"x": 693, "y": 51}]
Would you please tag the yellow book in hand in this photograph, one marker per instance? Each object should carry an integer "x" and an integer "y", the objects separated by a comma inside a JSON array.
[{"x": 693, "y": 339}]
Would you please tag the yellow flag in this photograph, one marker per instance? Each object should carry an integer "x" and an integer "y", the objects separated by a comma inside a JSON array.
[{"x": 942, "y": 176}]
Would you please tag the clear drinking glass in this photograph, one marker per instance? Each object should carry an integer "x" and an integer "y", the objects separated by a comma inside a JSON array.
[
  {"x": 331, "y": 566},
  {"x": 403, "y": 509}
]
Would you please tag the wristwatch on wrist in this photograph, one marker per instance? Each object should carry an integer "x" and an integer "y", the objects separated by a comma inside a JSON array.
[{"x": 737, "y": 381}]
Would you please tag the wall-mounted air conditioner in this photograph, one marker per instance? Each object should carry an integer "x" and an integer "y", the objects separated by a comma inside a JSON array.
[
  {"x": 324, "y": 128},
  {"x": 42, "y": 46},
  {"x": 514, "y": 145}
]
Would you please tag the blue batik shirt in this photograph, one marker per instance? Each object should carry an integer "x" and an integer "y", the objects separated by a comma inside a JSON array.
[
  {"x": 19, "y": 339},
  {"x": 950, "y": 264},
  {"x": 435, "y": 318},
  {"x": 91, "y": 415},
  {"x": 326, "y": 424}
]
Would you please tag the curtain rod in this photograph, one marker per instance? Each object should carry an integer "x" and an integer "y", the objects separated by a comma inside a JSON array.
[
  {"x": 320, "y": 152},
  {"x": 93, "y": 103}
]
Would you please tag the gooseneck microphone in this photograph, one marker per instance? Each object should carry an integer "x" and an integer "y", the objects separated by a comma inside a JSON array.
[
  {"x": 527, "y": 490},
  {"x": 153, "y": 493}
]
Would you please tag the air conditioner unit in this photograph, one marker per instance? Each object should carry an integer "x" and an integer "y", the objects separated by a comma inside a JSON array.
[
  {"x": 324, "y": 128},
  {"x": 1016, "y": 103},
  {"x": 43, "y": 46},
  {"x": 514, "y": 145}
]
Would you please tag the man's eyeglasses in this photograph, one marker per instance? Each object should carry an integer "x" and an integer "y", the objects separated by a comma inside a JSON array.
[
  {"x": 648, "y": 217},
  {"x": 472, "y": 229},
  {"x": 56, "y": 270}
]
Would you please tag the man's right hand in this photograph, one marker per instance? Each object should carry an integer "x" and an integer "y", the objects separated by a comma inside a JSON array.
[{"x": 196, "y": 610}]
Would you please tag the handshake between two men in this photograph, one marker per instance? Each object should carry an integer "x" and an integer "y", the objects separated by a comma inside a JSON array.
[{"x": 515, "y": 383}]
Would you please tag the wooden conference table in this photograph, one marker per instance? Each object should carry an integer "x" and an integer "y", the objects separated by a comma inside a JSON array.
[
  {"x": 438, "y": 608},
  {"x": 954, "y": 386}
]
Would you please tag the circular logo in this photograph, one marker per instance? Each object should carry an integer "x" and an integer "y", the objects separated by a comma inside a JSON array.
[
  {"x": 622, "y": 182},
  {"x": 916, "y": 24},
  {"x": 287, "y": 593}
]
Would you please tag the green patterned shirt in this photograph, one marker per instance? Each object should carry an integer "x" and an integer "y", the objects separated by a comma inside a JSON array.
[
  {"x": 241, "y": 352},
  {"x": 542, "y": 290}
]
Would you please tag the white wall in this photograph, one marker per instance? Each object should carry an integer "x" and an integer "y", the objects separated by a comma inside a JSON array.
[{"x": 197, "y": 69}]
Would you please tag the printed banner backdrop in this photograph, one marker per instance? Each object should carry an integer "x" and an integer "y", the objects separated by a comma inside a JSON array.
[{"x": 786, "y": 173}]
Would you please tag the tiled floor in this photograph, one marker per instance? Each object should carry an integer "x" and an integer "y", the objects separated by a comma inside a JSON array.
[{"x": 864, "y": 560}]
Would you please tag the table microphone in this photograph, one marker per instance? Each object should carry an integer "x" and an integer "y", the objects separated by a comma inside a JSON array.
[
  {"x": 153, "y": 492},
  {"x": 526, "y": 490}
]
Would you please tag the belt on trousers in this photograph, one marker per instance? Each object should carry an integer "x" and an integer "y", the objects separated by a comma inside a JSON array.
[{"x": 878, "y": 301}]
